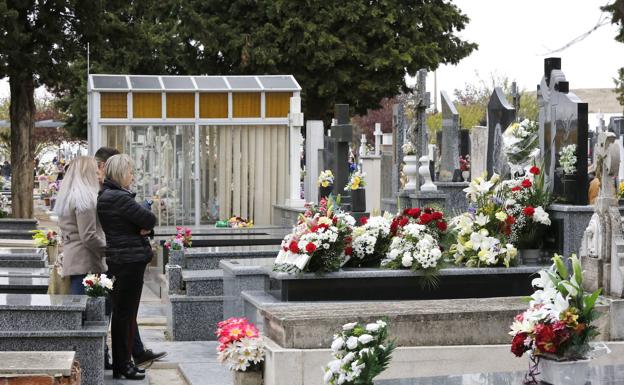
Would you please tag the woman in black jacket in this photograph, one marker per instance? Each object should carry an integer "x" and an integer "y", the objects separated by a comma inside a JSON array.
[{"x": 128, "y": 251}]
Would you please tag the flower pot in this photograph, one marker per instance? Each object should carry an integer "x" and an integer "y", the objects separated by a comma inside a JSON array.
[
  {"x": 411, "y": 171},
  {"x": 358, "y": 200},
  {"x": 466, "y": 175},
  {"x": 570, "y": 188},
  {"x": 564, "y": 372},
  {"x": 96, "y": 309},
  {"x": 248, "y": 378},
  {"x": 531, "y": 257},
  {"x": 52, "y": 254},
  {"x": 46, "y": 201},
  {"x": 176, "y": 257},
  {"x": 324, "y": 192}
]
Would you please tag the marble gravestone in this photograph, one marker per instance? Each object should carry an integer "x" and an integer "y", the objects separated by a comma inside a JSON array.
[
  {"x": 478, "y": 151},
  {"x": 602, "y": 247},
  {"x": 500, "y": 114},
  {"x": 563, "y": 121},
  {"x": 313, "y": 143},
  {"x": 449, "y": 161},
  {"x": 398, "y": 130}
]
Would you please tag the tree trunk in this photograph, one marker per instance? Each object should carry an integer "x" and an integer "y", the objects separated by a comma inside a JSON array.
[{"x": 22, "y": 113}]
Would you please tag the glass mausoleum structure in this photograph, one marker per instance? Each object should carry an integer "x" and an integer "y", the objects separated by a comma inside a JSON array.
[{"x": 205, "y": 147}]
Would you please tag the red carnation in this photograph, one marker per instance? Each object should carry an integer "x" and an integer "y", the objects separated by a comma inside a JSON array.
[
  {"x": 534, "y": 170},
  {"x": 517, "y": 345},
  {"x": 364, "y": 220},
  {"x": 428, "y": 210},
  {"x": 526, "y": 183},
  {"x": 414, "y": 213},
  {"x": 335, "y": 220},
  {"x": 403, "y": 221},
  {"x": 310, "y": 247},
  {"x": 348, "y": 250},
  {"x": 510, "y": 220},
  {"x": 516, "y": 188},
  {"x": 441, "y": 225},
  {"x": 89, "y": 282},
  {"x": 529, "y": 211},
  {"x": 437, "y": 215},
  {"x": 545, "y": 338},
  {"x": 294, "y": 247}
]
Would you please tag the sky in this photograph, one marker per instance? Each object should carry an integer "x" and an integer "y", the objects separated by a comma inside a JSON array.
[{"x": 515, "y": 36}]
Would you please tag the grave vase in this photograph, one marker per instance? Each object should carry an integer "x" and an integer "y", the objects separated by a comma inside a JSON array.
[
  {"x": 52, "y": 254},
  {"x": 46, "y": 201},
  {"x": 411, "y": 171},
  {"x": 564, "y": 372},
  {"x": 358, "y": 200},
  {"x": 324, "y": 192},
  {"x": 465, "y": 175},
  {"x": 248, "y": 378},
  {"x": 96, "y": 308},
  {"x": 570, "y": 188},
  {"x": 530, "y": 257},
  {"x": 176, "y": 257}
]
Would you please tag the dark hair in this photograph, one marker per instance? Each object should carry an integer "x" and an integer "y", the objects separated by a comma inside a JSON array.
[{"x": 103, "y": 153}]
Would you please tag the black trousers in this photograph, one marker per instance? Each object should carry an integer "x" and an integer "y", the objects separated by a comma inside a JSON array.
[{"x": 125, "y": 300}]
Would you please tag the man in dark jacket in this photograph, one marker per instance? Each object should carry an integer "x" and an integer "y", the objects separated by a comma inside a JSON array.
[
  {"x": 128, "y": 251},
  {"x": 141, "y": 355}
]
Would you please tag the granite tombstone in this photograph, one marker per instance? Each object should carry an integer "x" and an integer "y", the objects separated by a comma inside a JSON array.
[
  {"x": 450, "y": 137},
  {"x": 500, "y": 114}
]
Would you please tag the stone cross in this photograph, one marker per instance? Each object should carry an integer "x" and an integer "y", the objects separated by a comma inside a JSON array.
[
  {"x": 602, "y": 247},
  {"x": 418, "y": 133},
  {"x": 563, "y": 120},
  {"x": 515, "y": 98},
  {"x": 378, "y": 135},
  {"x": 363, "y": 151},
  {"x": 450, "y": 136},
  {"x": 500, "y": 114},
  {"x": 399, "y": 132}
]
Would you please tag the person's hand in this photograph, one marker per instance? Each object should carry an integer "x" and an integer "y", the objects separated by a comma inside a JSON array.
[{"x": 144, "y": 232}]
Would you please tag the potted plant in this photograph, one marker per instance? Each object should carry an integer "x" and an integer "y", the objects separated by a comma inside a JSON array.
[
  {"x": 464, "y": 166},
  {"x": 48, "y": 240},
  {"x": 241, "y": 348},
  {"x": 558, "y": 325},
  {"x": 525, "y": 200},
  {"x": 97, "y": 287},
  {"x": 411, "y": 166},
  {"x": 567, "y": 160},
  {"x": 326, "y": 184},
  {"x": 358, "y": 194},
  {"x": 360, "y": 353},
  {"x": 177, "y": 244}
]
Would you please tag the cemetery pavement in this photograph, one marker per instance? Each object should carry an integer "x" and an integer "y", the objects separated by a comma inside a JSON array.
[{"x": 186, "y": 363}]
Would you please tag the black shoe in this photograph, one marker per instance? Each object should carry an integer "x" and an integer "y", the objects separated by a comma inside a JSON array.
[
  {"x": 129, "y": 371},
  {"x": 107, "y": 363},
  {"x": 140, "y": 370},
  {"x": 148, "y": 357}
]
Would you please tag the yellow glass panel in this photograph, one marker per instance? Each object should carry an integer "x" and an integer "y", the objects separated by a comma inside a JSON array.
[
  {"x": 180, "y": 105},
  {"x": 147, "y": 105},
  {"x": 213, "y": 105},
  {"x": 246, "y": 105},
  {"x": 277, "y": 104},
  {"x": 114, "y": 105}
]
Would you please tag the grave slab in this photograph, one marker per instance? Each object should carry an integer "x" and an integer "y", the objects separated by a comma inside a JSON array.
[{"x": 50, "y": 363}]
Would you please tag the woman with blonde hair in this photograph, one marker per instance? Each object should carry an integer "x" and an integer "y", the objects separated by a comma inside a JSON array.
[
  {"x": 128, "y": 251},
  {"x": 83, "y": 238}
]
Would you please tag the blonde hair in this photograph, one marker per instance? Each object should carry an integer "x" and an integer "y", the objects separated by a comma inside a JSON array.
[
  {"x": 117, "y": 168},
  {"x": 79, "y": 188}
]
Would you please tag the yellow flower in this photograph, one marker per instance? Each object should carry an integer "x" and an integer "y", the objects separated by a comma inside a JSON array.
[
  {"x": 324, "y": 221},
  {"x": 325, "y": 183},
  {"x": 468, "y": 245},
  {"x": 501, "y": 216}
]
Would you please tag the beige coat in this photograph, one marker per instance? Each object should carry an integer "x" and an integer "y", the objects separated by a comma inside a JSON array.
[{"x": 84, "y": 243}]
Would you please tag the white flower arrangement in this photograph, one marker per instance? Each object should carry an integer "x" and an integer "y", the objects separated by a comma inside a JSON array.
[
  {"x": 359, "y": 353},
  {"x": 415, "y": 248},
  {"x": 371, "y": 239},
  {"x": 567, "y": 158},
  {"x": 241, "y": 347},
  {"x": 326, "y": 178},
  {"x": 408, "y": 148},
  {"x": 97, "y": 285}
]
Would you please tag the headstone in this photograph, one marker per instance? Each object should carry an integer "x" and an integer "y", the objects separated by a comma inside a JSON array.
[
  {"x": 464, "y": 142},
  {"x": 378, "y": 135},
  {"x": 363, "y": 151},
  {"x": 563, "y": 120},
  {"x": 449, "y": 161},
  {"x": 478, "y": 151},
  {"x": 602, "y": 247},
  {"x": 616, "y": 125},
  {"x": 418, "y": 133},
  {"x": 398, "y": 131},
  {"x": 342, "y": 134},
  {"x": 313, "y": 143},
  {"x": 500, "y": 114}
]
